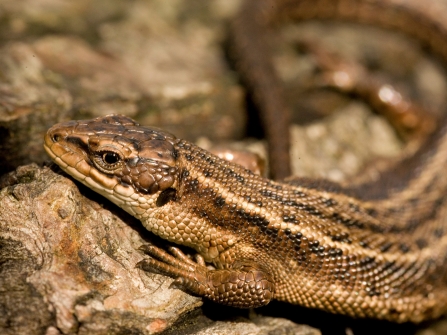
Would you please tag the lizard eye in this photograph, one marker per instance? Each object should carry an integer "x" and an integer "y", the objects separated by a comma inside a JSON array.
[{"x": 110, "y": 158}]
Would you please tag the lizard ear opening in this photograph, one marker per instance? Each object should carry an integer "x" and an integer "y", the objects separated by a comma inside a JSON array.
[{"x": 166, "y": 196}]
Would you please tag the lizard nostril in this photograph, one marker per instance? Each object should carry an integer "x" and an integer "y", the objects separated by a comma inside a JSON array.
[{"x": 56, "y": 137}]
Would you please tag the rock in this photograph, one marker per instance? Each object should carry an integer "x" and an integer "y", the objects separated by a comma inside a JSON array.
[
  {"x": 69, "y": 263},
  {"x": 258, "y": 326}
]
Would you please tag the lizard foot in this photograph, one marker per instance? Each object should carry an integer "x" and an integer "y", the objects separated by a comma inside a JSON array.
[{"x": 244, "y": 287}]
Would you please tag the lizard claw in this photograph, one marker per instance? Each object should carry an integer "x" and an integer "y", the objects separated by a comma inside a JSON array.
[{"x": 242, "y": 286}]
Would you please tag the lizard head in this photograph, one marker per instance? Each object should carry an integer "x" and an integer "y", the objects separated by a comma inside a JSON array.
[{"x": 129, "y": 164}]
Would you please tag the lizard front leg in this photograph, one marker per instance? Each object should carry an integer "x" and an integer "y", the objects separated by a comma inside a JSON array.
[{"x": 244, "y": 285}]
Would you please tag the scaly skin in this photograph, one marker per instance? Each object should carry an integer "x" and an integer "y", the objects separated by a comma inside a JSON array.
[{"x": 374, "y": 250}]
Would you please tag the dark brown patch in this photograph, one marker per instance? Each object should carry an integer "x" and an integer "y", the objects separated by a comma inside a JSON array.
[
  {"x": 421, "y": 243},
  {"x": 166, "y": 196},
  {"x": 404, "y": 248},
  {"x": 438, "y": 232}
]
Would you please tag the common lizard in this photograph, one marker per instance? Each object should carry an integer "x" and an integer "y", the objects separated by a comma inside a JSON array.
[{"x": 376, "y": 249}]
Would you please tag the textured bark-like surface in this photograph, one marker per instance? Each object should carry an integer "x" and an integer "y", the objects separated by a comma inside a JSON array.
[
  {"x": 258, "y": 326},
  {"x": 23, "y": 308},
  {"x": 68, "y": 264}
]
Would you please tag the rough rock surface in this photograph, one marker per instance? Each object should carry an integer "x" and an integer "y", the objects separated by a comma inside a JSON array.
[{"x": 69, "y": 263}]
